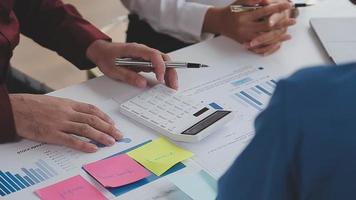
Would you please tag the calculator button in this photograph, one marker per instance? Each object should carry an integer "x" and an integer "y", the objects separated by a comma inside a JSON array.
[
  {"x": 153, "y": 112},
  {"x": 138, "y": 105},
  {"x": 154, "y": 122}
]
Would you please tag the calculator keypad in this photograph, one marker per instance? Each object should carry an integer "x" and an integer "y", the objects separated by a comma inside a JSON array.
[{"x": 165, "y": 108}]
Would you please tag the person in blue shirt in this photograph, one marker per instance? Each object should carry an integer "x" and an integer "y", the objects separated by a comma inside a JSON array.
[{"x": 305, "y": 143}]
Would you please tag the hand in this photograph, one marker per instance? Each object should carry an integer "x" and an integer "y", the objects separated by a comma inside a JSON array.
[
  {"x": 266, "y": 27},
  {"x": 269, "y": 42},
  {"x": 56, "y": 121},
  {"x": 104, "y": 54}
]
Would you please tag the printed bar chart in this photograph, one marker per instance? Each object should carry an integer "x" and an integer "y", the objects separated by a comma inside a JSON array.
[
  {"x": 13, "y": 182},
  {"x": 258, "y": 95}
]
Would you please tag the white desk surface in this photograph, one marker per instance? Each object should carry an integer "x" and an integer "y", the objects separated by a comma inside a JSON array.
[{"x": 302, "y": 51}]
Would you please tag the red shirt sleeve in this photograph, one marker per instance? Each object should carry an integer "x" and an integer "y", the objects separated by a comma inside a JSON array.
[
  {"x": 59, "y": 27},
  {"x": 7, "y": 124}
]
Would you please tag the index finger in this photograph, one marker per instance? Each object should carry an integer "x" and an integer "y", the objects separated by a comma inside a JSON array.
[
  {"x": 170, "y": 76},
  {"x": 269, "y": 10},
  {"x": 158, "y": 65}
]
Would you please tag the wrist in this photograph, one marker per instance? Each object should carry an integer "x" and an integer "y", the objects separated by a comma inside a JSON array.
[
  {"x": 213, "y": 21},
  {"x": 94, "y": 49}
]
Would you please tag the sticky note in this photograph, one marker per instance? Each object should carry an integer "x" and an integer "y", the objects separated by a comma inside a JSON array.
[
  {"x": 116, "y": 171},
  {"x": 159, "y": 155},
  {"x": 74, "y": 188},
  {"x": 198, "y": 185}
]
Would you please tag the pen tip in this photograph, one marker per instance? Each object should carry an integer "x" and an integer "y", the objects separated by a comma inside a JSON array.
[{"x": 204, "y": 65}]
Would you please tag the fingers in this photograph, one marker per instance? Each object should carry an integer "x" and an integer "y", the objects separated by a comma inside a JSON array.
[
  {"x": 264, "y": 38},
  {"x": 269, "y": 10},
  {"x": 92, "y": 110},
  {"x": 285, "y": 23},
  {"x": 73, "y": 142},
  {"x": 277, "y": 17},
  {"x": 98, "y": 124},
  {"x": 92, "y": 123},
  {"x": 158, "y": 65},
  {"x": 267, "y": 50},
  {"x": 268, "y": 25},
  {"x": 128, "y": 76},
  {"x": 171, "y": 78},
  {"x": 85, "y": 130},
  {"x": 281, "y": 39}
]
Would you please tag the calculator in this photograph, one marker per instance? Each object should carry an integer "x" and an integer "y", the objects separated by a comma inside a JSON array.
[{"x": 174, "y": 115}]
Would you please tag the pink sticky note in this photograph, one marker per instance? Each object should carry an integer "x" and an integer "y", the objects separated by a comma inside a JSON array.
[
  {"x": 75, "y": 188},
  {"x": 116, "y": 171}
]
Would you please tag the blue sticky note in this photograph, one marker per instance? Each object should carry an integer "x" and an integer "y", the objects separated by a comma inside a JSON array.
[{"x": 199, "y": 185}]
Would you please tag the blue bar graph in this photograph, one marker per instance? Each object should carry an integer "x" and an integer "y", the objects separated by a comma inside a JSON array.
[
  {"x": 36, "y": 175},
  {"x": 13, "y": 182},
  {"x": 22, "y": 180},
  {"x": 256, "y": 90},
  {"x": 48, "y": 167},
  {"x": 251, "y": 98},
  {"x": 249, "y": 102},
  {"x": 44, "y": 169},
  {"x": 3, "y": 188},
  {"x": 13, "y": 185},
  {"x": 263, "y": 90},
  {"x": 40, "y": 172},
  {"x": 30, "y": 175},
  {"x": 258, "y": 95},
  {"x": 2, "y": 193},
  {"x": 7, "y": 185},
  {"x": 241, "y": 81},
  {"x": 29, "y": 180}
]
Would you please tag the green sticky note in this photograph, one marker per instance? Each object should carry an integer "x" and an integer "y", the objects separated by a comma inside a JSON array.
[
  {"x": 198, "y": 185},
  {"x": 159, "y": 155}
]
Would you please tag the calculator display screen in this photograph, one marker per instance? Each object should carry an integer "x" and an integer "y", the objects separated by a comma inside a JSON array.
[{"x": 206, "y": 122}]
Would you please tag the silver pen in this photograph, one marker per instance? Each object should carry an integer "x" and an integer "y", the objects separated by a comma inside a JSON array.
[
  {"x": 242, "y": 8},
  {"x": 128, "y": 62}
]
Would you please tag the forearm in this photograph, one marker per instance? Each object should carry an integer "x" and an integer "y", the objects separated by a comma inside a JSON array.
[{"x": 7, "y": 124}]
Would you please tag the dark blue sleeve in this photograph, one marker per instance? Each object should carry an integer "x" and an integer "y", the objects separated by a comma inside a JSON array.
[{"x": 264, "y": 170}]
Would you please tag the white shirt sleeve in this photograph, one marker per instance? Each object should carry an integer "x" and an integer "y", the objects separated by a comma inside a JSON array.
[{"x": 177, "y": 18}]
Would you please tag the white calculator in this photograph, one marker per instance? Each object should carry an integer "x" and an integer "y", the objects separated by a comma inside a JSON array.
[{"x": 174, "y": 115}]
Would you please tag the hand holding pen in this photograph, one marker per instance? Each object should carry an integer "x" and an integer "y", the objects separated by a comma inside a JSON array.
[{"x": 104, "y": 55}]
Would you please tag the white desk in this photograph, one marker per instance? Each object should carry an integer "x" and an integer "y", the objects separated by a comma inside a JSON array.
[{"x": 303, "y": 50}]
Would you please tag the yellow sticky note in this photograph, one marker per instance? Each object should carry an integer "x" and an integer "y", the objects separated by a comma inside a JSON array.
[{"x": 159, "y": 155}]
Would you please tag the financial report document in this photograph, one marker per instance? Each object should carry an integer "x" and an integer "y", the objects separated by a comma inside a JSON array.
[{"x": 28, "y": 166}]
